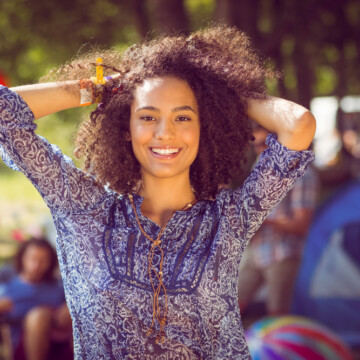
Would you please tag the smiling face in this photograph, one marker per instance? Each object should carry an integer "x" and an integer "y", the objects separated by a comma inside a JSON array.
[
  {"x": 165, "y": 127},
  {"x": 36, "y": 262}
]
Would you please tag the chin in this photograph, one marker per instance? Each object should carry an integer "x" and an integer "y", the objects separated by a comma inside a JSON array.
[{"x": 166, "y": 173}]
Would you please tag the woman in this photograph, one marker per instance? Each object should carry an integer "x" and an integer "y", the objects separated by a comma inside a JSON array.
[
  {"x": 148, "y": 245},
  {"x": 33, "y": 303}
]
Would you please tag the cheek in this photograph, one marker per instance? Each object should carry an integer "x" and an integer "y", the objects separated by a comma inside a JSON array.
[
  {"x": 26, "y": 262},
  {"x": 140, "y": 133},
  {"x": 45, "y": 267},
  {"x": 137, "y": 137}
]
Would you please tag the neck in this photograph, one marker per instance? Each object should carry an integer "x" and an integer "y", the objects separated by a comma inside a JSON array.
[{"x": 162, "y": 197}]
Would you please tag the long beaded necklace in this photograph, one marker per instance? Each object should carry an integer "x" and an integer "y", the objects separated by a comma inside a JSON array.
[{"x": 161, "y": 318}]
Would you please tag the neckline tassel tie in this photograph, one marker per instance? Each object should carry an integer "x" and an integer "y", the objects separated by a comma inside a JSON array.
[
  {"x": 157, "y": 315},
  {"x": 161, "y": 318}
]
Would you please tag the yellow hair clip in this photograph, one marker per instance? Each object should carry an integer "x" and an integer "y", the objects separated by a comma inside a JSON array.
[{"x": 99, "y": 79}]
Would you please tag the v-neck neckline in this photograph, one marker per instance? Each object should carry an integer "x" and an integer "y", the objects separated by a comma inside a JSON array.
[{"x": 138, "y": 200}]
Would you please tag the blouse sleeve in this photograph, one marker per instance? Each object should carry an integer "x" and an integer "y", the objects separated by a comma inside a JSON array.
[
  {"x": 274, "y": 175},
  {"x": 64, "y": 187}
]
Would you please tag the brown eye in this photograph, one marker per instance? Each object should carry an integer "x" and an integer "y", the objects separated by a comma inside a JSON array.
[
  {"x": 183, "y": 118},
  {"x": 147, "y": 118}
]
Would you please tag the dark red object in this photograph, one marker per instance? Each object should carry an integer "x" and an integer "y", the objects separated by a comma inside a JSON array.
[{"x": 4, "y": 79}]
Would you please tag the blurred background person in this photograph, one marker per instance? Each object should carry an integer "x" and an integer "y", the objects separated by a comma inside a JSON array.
[
  {"x": 32, "y": 302},
  {"x": 274, "y": 253}
]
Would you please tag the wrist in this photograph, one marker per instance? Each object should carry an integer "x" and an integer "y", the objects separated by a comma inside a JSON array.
[{"x": 91, "y": 90}]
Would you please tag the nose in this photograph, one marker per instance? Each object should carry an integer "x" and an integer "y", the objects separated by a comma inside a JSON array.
[
  {"x": 35, "y": 266},
  {"x": 165, "y": 129}
]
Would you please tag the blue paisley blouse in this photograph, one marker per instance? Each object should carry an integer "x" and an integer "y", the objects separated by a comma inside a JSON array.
[{"x": 104, "y": 256}]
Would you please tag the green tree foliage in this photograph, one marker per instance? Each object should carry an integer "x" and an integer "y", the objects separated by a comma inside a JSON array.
[
  {"x": 36, "y": 35},
  {"x": 315, "y": 43}
]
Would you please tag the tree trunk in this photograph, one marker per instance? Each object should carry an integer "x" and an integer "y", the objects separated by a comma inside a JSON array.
[
  {"x": 170, "y": 17},
  {"x": 303, "y": 72},
  {"x": 141, "y": 19},
  {"x": 240, "y": 13},
  {"x": 301, "y": 57}
]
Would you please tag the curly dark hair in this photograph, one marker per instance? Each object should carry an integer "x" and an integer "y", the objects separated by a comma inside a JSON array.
[
  {"x": 41, "y": 242},
  {"x": 222, "y": 69}
]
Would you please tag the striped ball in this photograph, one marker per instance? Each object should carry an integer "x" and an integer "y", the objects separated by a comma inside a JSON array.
[{"x": 294, "y": 338}]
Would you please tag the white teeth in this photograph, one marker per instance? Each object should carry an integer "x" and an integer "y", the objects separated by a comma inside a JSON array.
[{"x": 165, "y": 151}]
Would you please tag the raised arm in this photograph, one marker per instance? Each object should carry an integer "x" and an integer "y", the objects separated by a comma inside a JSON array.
[
  {"x": 63, "y": 187},
  {"x": 294, "y": 125},
  {"x": 48, "y": 98}
]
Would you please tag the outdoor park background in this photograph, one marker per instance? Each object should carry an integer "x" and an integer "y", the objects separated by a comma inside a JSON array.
[{"x": 315, "y": 43}]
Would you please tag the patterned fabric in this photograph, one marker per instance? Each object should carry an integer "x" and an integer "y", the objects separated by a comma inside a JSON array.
[
  {"x": 270, "y": 246},
  {"x": 103, "y": 254}
]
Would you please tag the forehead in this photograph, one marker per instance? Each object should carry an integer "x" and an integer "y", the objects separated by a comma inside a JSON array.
[
  {"x": 34, "y": 250},
  {"x": 164, "y": 90}
]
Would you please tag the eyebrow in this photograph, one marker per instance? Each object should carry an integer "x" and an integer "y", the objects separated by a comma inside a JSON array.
[
  {"x": 179, "y": 108},
  {"x": 185, "y": 107}
]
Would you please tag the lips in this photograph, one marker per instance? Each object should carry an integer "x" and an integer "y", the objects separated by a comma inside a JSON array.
[{"x": 165, "y": 152}]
